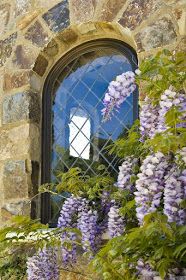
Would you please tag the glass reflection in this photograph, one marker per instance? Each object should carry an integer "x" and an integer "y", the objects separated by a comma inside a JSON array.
[{"x": 79, "y": 137}]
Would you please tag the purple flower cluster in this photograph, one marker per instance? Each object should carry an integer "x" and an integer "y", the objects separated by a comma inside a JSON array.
[
  {"x": 117, "y": 93},
  {"x": 69, "y": 208},
  {"x": 116, "y": 223},
  {"x": 145, "y": 270},
  {"x": 150, "y": 184},
  {"x": 148, "y": 119},
  {"x": 168, "y": 99},
  {"x": 182, "y": 106},
  {"x": 87, "y": 223},
  {"x": 174, "y": 194},
  {"x": 125, "y": 173},
  {"x": 152, "y": 117},
  {"x": 43, "y": 265},
  {"x": 67, "y": 219}
]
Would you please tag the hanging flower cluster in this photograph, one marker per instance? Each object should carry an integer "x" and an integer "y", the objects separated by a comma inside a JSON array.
[
  {"x": 125, "y": 174},
  {"x": 152, "y": 117},
  {"x": 117, "y": 93},
  {"x": 148, "y": 119},
  {"x": 68, "y": 211},
  {"x": 116, "y": 223},
  {"x": 145, "y": 270},
  {"x": 174, "y": 194},
  {"x": 43, "y": 265},
  {"x": 167, "y": 101},
  {"x": 150, "y": 184},
  {"x": 87, "y": 223}
]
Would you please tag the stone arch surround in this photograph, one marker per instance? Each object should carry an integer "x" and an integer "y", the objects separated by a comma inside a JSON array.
[{"x": 34, "y": 36}]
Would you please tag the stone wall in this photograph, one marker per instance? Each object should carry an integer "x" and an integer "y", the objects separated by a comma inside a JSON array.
[{"x": 34, "y": 34}]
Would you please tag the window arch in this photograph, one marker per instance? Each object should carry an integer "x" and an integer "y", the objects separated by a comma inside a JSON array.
[{"x": 73, "y": 131}]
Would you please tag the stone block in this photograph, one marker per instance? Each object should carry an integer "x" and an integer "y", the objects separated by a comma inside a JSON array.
[
  {"x": 24, "y": 57},
  {"x": 36, "y": 82},
  {"x": 137, "y": 11},
  {"x": 81, "y": 10},
  {"x": 6, "y": 48},
  {"x": 9, "y": 209},
  {"x": 15, "y": 80},
  {"x": 181, "y": 46},
  {"x": 21, "y": 106},
  {"x": 51, "y": 49},
  {"x": 159, "y": 34},
  {"x": 4, "y": 17},
  {"x": 22, "y": 6},
  {"x": 37, "y": 35},
  {"x": 15, "y": 180},
  {"x": 180, "y": 15},
  {"x": 21, "y": 141},
  {"x": 27, "y": 19},
  {"x": 40, "y": 65},
  {"x": 87, "y": 28},
  {"x": 57, "y": 18},
  {"x": 110, "y": 9},
  {"x": 68, "y": 36}
]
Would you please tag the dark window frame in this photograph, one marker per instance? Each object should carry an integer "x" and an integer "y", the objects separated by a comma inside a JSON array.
[{"x": 46, "y": 140}]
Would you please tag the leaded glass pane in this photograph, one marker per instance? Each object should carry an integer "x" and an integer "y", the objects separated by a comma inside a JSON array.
[{"x": 79, "y": 137}]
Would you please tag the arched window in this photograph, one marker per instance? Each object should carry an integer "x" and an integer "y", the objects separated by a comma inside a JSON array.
[{"x": 73, "y": 131}]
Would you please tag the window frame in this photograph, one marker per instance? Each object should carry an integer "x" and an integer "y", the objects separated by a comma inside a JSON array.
[{"x": 48, "y": 90}]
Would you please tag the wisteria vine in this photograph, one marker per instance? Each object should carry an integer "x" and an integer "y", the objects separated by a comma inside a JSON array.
[{"x": 160, "y": 183}]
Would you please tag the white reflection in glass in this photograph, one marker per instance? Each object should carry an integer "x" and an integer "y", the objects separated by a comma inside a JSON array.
[{"x": 79, "y": 136}]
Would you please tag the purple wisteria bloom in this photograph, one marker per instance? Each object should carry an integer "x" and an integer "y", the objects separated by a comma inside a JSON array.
[
  {"x": 174, "y": 194},
  {"x": 150, "y": 184},
  {"x": 168, "y": 99},
  {"x": 125, "y": 174},
  {"x": 116, "y": 223},
  {"x": 148, "y": 119},
  {"x": 43, "y": 265},
  {"x": 87, "y": 223},
  {"x": 117, "y": 93},
  {"x": 67, "y": 220},
  {"x": 145, "y": 271}
]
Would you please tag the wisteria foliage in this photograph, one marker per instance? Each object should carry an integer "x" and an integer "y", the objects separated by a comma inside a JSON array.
[{"x": 160, "y": 184}]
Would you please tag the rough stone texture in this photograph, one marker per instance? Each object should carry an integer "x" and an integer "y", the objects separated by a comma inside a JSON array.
[
  {"x": 57, "y": 18},
  {"x": 68, "y": 36},
  {"x": 87, "y": 29},
  {"x": 40, "y": 65},
  {"x": 19, "y": 141},
  {"x": 27, "y": 19},
  {"x": 37, "y": 34},
  {"x": 35, "y": 82},
  {"x": 181, "y": 45},
  {"x": 24, "y": 57},
  {"x": 15, "y": 80},
  {"x": 4, "y": 16},
  {"x": 180, "y": 16},
  {"x": 6, "y": 48},
  {"x": 160, "y": 33},
  {"x": 137, "y": 11},
  {"x": 21, "y": 106},
  {"x": 110, "y": 9},
  {"x": 15, "y": 208},
  {"x": 15, "y": 179},
  {"x": 82, "y": 10},
  {"x": 22, "y": 6},
  {"x": 51, "y": 49}
]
